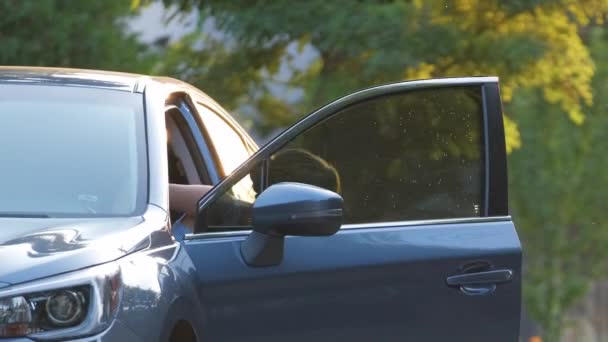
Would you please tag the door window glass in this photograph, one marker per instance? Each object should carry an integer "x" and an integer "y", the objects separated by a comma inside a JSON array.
[
  {"x": 232, "y": 210},
  {"x": 410, "y": 156}
]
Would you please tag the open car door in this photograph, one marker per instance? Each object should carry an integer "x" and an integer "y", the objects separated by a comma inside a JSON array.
[{"x": 415, "y": 174}]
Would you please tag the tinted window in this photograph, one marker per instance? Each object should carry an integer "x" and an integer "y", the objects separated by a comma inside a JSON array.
[
  {"x": 232, "y": 210},
  {"x": 402, "y": 157},
  {"x": 67, "y": 151},
  {"x": 412, "y": 156}
]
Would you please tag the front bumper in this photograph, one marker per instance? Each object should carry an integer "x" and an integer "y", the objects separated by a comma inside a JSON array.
[{"x": 117, "y": 332}]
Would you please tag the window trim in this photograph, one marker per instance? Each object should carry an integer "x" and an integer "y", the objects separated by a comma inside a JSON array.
[
  {"x": 373, "y": 225},
  {"x": 497, "y": 201},
  {"x": 497, "y": 189},
  {"x": 183, "y": 124},
  {"x": 181, "y": 143},
  {"x": 182, "y": 101}
]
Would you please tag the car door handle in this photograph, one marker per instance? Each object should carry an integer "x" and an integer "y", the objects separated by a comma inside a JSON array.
[
  {"x": 487, "y": 277},
  {"x": 480, "y": 283}
]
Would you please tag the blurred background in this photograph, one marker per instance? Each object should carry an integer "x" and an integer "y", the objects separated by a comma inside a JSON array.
[{"x": 271, "y": 62}]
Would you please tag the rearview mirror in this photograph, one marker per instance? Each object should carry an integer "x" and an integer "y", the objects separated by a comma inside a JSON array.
[{"x": 289, "y": 209}]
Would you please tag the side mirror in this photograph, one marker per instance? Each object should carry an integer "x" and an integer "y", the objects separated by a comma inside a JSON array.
[{"x": 289, "y": 209}]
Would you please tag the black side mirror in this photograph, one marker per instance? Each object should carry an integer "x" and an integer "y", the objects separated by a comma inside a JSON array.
[{"x": 289, "y": 209}]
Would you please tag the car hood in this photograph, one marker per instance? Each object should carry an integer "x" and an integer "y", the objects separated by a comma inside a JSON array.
[{"x": 33, "y": 248}]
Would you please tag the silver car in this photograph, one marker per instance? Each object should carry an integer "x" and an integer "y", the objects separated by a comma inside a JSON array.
[{"x": 381, "y": 216}]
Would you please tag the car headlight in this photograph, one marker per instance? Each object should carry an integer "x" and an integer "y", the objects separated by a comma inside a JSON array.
[{"x": 70, "y": 305}]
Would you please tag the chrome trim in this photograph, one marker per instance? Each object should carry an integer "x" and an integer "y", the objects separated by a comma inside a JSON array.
[
  {"x": 475, "y": 220},
  {"x": 427, "y": 222},
  {"x": 209, "y": 235}
]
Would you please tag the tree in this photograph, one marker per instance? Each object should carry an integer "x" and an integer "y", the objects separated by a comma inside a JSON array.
[
  {"x": 527, "y": 43},
  {"x": 537, "y": 48},
  {"x": 69, "y": 33},
  {"x": 557, "y": 197}
]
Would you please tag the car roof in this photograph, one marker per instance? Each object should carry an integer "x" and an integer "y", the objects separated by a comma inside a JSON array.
[{"x": 79, "y": 78}]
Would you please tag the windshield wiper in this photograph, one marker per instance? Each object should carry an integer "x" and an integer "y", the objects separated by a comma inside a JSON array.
[{"x": 24, "y": 215}]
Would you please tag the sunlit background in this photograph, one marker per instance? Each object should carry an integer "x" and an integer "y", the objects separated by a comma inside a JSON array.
[{"x": 271, "y": 62}]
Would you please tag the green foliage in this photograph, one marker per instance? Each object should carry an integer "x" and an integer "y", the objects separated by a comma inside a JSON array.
[
  {"x": 69, "y": 33},
  {"x": 557, "y": 197}
]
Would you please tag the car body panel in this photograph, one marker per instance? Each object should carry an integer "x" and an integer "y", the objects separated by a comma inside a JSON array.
[
  {"x": 362, "y": 284},
  {"x": 117, "y": 332},
  {"x": 159, "y": 291},
  {"x": 41, "y": 247}
]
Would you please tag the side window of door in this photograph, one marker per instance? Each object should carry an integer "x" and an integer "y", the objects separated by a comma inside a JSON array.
[
  {"x": 401, "y": 157},
  {"x": 412, "y": 156}
]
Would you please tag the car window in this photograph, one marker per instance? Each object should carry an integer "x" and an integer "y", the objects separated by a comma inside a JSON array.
[
  {"x": 232, "y": 210},
  {"x": 401, "y": 157},
  {"x": 229, "y": 145},
  {"x": 71, "y": 152},
  {"x": 411, "y": 156}
]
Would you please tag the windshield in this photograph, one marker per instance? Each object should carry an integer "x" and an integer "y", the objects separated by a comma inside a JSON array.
[{"x": 73, "y": 152}]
